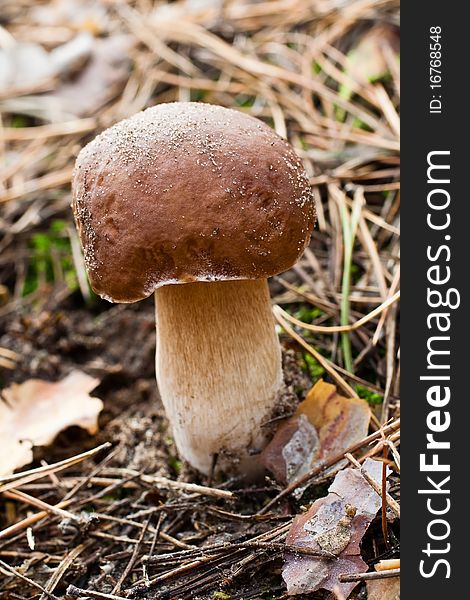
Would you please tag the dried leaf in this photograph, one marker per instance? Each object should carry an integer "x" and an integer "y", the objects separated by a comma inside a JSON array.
[
  {"x": 292, "y": 450},
  {"x": 99, "y": 66},
  {"x": 24, "y": 64},
  {"x": 340, "y": 421},
  {"x": 71, "y": 57},
  {"x": 384, "y": 589},
  {"x": 101, "y": 79},
  {"x": 335, "y": 524},
  {"x": 325, "y": 424},
  {"x": 35, "y": 411}
]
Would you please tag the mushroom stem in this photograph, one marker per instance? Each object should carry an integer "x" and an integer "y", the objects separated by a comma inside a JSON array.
[{"x": 218, "y": 366}]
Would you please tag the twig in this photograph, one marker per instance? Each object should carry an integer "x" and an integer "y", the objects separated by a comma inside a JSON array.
[
  {"x": 387, "y": 565},
  {"x": 77, "y": 592},
  {"x": 340, "y": 328},
  {"x": 277, "y": 532},
  {"x": 48, "y": 508},
  {"x": 7, "y": 353},
  {"x": 62, "y": 568},
  {"x": 29, "y": 521},
  {"x": 347, "y": 577},
  {"x": 391, "y": 502},
  {"x": 46, "y": 182},
  {"x": 43, "y": 132},
  {"x": 132, "y": 561},
  {"x": 15, "y": 573},
  {"x": 18, "y": 479},
  {"x": 301, "y": 481},
  {"x": 180, "y": 485},
  {"x": 324, "y": 363},
  {"x": 384, "y": 501}
]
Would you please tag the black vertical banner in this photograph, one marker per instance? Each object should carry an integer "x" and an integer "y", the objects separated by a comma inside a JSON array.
[{"x": 435, "y": 327}]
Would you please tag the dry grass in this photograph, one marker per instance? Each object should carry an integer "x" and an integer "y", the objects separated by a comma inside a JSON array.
[{"x": 287, "y": 62}]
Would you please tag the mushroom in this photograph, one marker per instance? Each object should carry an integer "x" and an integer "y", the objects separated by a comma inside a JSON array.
[{"x": 208, "y": 197}]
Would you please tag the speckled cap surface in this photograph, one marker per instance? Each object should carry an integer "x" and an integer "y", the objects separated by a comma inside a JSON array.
[{"x": 187, "y": 192}]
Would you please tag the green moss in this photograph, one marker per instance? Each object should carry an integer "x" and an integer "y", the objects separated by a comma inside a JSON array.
[
  {"x": 198, "y": 95},
  {"x": 19, "y": 121},
  {"x": 312, "y": 367},
  {"x": 372, "y": 398},
  {"x": 175, "y": 464},
  {"x": 316, "y": 68},
  {"x": 245, "y": 101},
  {"x": 307, "y": 313},
  {"x": 51, "y": 257}
]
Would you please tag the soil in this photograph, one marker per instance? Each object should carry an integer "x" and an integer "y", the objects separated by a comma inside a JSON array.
[{"x": 117, "y": 345}]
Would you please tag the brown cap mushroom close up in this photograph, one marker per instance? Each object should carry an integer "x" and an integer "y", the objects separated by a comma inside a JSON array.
[{"x": 208, "y": 197}]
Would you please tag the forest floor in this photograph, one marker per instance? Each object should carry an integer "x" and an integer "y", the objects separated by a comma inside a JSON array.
[{"x": 126, "y": 520}]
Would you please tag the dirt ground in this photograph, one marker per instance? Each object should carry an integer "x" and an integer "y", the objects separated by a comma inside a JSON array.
[{"x": 116, "y": 343}]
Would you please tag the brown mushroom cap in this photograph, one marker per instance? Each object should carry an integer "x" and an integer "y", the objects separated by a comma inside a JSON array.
[{"x": 188, "y": 192}]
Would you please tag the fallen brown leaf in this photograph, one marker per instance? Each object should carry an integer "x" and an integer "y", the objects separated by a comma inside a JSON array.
[
  {"x": 102, "y": 78},
  {"x": 324, "y": 424},
  {"x": 83, "y": 74},
  {"x": 24, "y": 64},
  {"x": 335, "y": 524},
  {"x": 384, "y": 589},
  {"x": 34, "y": 412}
]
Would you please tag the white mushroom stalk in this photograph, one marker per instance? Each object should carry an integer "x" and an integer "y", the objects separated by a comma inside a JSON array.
[
  {"x": 218, "y": 365},
  {"x": 199, "y": 205}
]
